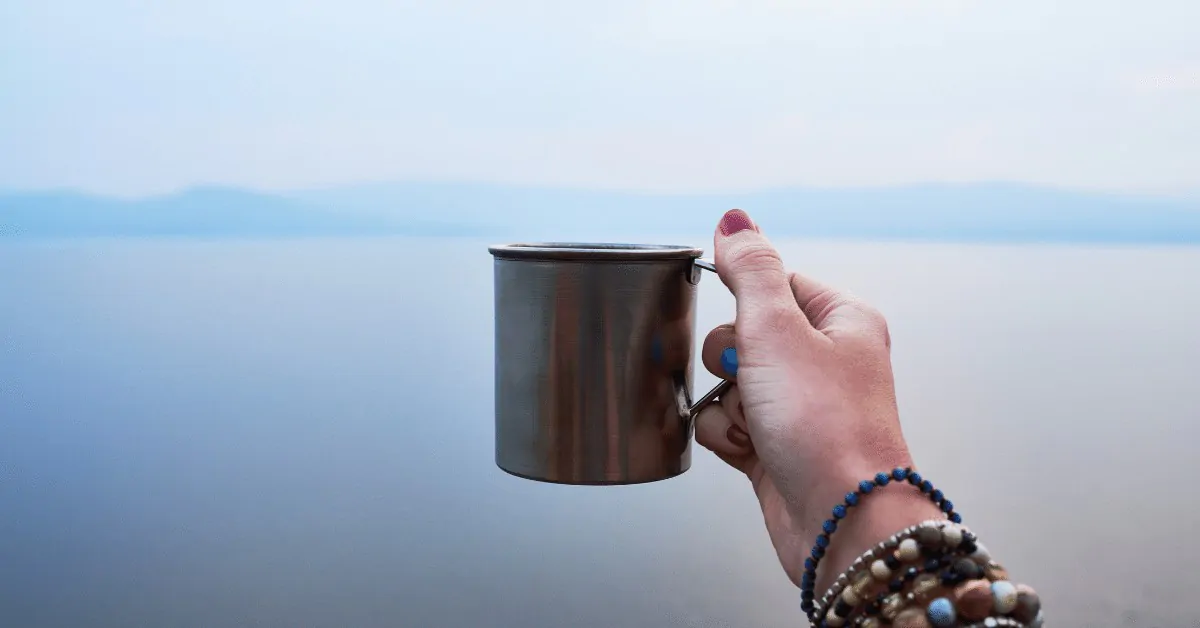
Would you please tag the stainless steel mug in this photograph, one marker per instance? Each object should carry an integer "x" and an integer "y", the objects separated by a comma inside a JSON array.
[{"x": 594, "y": 361}]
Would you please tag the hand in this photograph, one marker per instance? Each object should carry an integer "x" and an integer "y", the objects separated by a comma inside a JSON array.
[{"x": 813, "y": 411}]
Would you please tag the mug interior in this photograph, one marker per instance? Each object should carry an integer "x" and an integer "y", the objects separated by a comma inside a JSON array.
[{"x": 593, "y": 251}]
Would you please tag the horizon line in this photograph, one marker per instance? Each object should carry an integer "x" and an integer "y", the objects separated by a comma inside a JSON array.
[{"x": 1192, "y": 196}]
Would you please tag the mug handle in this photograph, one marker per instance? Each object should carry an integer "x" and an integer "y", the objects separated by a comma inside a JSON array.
[{"x": 683, "y": 397}]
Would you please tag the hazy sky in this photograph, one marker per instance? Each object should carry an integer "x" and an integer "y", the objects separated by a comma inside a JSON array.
[{"x": 132, "y": 97}]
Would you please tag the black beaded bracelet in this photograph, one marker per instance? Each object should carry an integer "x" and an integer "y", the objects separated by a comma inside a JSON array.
[{"x": 809, "y": 578}]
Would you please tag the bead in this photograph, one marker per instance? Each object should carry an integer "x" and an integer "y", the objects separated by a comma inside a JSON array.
[
  {"x": 839, "y": 511},
  {"x": 851, "y": 499},
  {"x": 1004, "y": 597},
  {"x": 981, "y": 554},
  {"x": 896, "y": 586},
  {"x": 947, "y": 506},
  {"x": 833, "y": 620},
  {"x": 967, "y": 568},
  {"x": 842, "y": 609},
  {"x": 908, "y": 551},
  {"x": 1028, "y": 604},
  {"x": 869, "y": 622},
  {"x": 891, "y": 561},
  {"x": 817, "y": 553},
  {"x": 910, "y": 618},
  {"x": 880, "y": 571},
  {"x": 822, "y": 540},
  {"x": 995, "y": 572},
  {"x": 911, "y": 574},
  {"x": 851, "y": 597},
  {"x": 810, "y": 564},
  {"x": 929, "y": 536},
  {"x": 941, "y": 613},
  {"x": 937, "y": 495},
  {"x": 926, "y": 486},
  {"x": 899, "y": 473},
  {"x": 991, "y": 622},
  {"x": 914, "y": 478},
  {"x": 882, "y": 479},
  {"x": 830, "y": 526},
  {"x": 955, "y": 517},
  {"x": 865, "y": 487},
  {"x": 1037, "y": 621},
  {"x": 863, "y": 582},
  {"x": 973, "y": 600},
  {"x": 925, "y": 583},
  {"x": 891, "y": 606}
]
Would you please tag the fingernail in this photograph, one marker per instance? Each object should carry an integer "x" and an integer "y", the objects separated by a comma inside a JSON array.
[
  {"x": 737, "y": 436},
  {"x": 735, "y": 220},
  {"x": 729, "y": 361}
]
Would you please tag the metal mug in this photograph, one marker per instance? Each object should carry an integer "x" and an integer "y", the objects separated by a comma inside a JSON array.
[{"x": 594, "y": 361}]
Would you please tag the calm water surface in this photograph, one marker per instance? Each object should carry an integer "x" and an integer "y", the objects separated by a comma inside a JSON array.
[{"x": 299, "y": 433}]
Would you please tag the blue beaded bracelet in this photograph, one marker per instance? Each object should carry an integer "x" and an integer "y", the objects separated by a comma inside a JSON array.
[{"x": 808, "y": 579}]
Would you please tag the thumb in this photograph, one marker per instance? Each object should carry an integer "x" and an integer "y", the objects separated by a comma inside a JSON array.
[{"x": 752, "y": 268}]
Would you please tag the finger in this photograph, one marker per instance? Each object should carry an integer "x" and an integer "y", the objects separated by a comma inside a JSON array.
[
  {"x": 719, "y": 353},
  {"x": 716, "y": 431},
  {"x": 743, "y": 463},
  {"x": 836, "y": 313},
  {"x": 731, "y": 402},
  {"x": 754, "y": 272}
]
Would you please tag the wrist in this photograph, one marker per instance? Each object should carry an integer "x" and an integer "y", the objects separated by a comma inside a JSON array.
[{"x": 878, "y": 516}]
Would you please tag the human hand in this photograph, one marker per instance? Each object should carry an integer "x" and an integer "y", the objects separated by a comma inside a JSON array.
[{"x": 813, "y": 411}]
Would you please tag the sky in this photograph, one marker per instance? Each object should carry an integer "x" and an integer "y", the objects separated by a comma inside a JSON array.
[{"x": 128, "y": 98}]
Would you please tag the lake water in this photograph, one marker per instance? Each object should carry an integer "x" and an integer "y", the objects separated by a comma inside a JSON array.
[{"x": 299, "y": 433}]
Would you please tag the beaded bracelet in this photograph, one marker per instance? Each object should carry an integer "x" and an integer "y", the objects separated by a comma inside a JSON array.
[
  {"x": 973, "y": 601},
  {"x": 1018, "y": 603},
  {"x": 984, "y": 586},
  {"x": 878, "y": 562},
  {"x": 927, "y": 539},
  {"x": 914, "y": 609},
  {"x": 809, "y": 577}
]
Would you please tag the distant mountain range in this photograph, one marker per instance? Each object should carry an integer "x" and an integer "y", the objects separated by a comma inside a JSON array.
[{"x": 963, "y": 212}]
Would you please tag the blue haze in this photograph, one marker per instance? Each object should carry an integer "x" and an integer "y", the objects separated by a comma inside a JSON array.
[{"x": 995, "y": 212}]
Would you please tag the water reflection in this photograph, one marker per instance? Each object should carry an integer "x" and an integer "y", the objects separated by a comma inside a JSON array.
[{"x": 299, "y": 433}]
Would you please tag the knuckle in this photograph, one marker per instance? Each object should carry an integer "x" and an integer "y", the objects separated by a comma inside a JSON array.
[
  {"x": 871, "y": 314},
  {"x": 874, "y": 323},
  {"x": 756, "y": 256}
]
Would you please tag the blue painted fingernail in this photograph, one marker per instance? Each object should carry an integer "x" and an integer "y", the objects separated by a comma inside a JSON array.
[{"x": 729, "y": 361}]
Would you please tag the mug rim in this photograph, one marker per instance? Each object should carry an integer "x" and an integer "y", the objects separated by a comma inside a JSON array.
[{"x": 584, "y": 251}]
